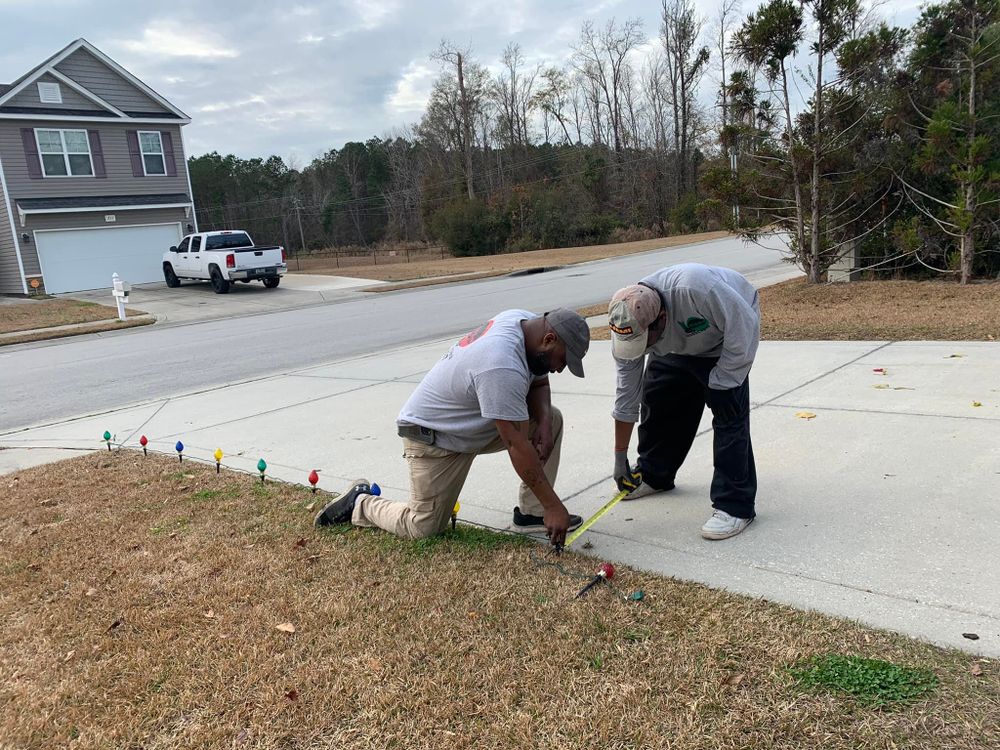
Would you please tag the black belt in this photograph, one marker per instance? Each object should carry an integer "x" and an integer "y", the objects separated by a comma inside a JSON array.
[{"x": 416, "y": 432}]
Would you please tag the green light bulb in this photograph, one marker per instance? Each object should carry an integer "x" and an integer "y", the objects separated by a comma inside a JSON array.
[
  {"x": 107, "y": 435},
  {"x": 262, "y": 466}
]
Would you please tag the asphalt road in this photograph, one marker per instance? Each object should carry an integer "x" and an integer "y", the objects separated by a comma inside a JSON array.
[{"x": 84, "y": 375}]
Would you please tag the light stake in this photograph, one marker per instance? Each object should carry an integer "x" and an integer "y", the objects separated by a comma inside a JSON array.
[
  {"x": 107, "y": 439},
  {"x": 262, "y": 467},
  {"x": 180, "y": 451},
  {"x": 454, "y": 514},
  {"x": 313, "y": 479},
  {"x": 143, "y": 442},
  {"x": 218, "y": 459}
]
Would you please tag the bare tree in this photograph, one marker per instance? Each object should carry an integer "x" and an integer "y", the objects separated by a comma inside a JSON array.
[{"x": 450, "y": 55}]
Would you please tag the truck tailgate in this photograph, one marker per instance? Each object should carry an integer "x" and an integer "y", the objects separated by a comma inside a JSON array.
[{"x": 257, "y": 257}]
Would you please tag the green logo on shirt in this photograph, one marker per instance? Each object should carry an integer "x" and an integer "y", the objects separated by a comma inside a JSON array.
[{"x": 693, "y": 325}]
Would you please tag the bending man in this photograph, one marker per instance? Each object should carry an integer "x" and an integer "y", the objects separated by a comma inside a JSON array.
[{"x": 700, "y": 326}]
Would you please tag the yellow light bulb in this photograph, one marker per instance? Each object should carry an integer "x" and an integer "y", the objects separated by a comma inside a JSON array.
[
  {"x": 458, "y": 507},
  {"x": 218, "y": 455}
]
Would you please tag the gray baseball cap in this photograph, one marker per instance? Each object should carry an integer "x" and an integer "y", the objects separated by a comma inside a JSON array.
[{"x": 574, "y": 332}]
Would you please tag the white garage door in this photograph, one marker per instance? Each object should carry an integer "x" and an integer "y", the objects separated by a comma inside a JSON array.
[{"x": 77, "y": 259}]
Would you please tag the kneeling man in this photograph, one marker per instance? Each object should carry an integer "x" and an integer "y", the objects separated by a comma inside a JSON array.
[{"x": 489, "y": 393}]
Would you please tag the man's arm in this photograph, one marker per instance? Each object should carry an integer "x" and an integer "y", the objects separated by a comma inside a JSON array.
[
  {"x": 540, "y": 412},
  {"x": 740, "y": 325},
  {"x": 526, "y": 463},
  {"x": 628, "y": 397}
]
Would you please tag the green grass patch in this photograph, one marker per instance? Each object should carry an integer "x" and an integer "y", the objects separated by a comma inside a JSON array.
[
  {"x": 871, "y": 681},
  {"x": 460, "y": 539}
]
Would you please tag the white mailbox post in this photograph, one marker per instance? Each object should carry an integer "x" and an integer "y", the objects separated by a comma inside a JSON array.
[{"x": 120, "y": 290}]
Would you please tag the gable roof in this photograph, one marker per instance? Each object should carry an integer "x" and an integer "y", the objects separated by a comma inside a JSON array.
[{"x": 48, "y": 67}]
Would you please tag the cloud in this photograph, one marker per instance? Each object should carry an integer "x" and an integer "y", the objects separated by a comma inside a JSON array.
[
  {"x": 412, "y": 91},
  {"x": 165, "y": 38}
]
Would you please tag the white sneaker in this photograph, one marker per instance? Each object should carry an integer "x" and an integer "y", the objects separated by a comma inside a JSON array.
[
  {"x": 644, "y": 490},
  {"x": 722, "y": 525}
]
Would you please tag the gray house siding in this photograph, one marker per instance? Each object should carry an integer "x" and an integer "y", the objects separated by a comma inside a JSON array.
[
  {"x": 93, "y": 220},
  {"x": 117, "y": 162},
  {"x": 97, "y": 77},
  {"x": 10, "y": 274},
  {"x": 70, "y": 98}
]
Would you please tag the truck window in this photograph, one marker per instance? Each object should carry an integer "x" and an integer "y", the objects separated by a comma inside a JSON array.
[
  {"x": 227, "y": 241},
  {"x": 183, "y": 247},
  {"x": 196, "y": 244}
]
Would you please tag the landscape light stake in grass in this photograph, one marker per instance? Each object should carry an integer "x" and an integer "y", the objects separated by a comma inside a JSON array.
[
  {"x": 144, "y": 442},
  {"x": 262, "y": 467},
  {"x": 454, "y": 514},
  {"x": 107, "y": 439},
  {"x": 604, "y": 573},
  {"x": 313, "y": 479},
  {"x": 180, "y": 451},
  {"x": 218, "y": 459}
]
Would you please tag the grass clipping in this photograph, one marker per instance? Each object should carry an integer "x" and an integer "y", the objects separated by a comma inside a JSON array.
[{"x": 146, "y": 603}]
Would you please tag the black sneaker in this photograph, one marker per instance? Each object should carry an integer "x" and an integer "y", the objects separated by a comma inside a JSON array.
[
  {"x": 341, "y": 509},
  {"x": 531, "y": 524}
]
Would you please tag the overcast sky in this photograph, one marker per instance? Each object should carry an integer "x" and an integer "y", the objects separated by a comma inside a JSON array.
[{"x": 298, "y": 78}]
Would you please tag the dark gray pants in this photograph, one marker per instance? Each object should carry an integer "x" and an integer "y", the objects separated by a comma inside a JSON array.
[{"x": 675, "y": 393}]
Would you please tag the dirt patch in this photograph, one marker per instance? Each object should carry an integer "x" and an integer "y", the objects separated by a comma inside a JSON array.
[
  {"x": 153, "y": 604},
  {"x": 873, "y": 311},
  {"x": 498, "y": 264},
  {"x": 31, "y": 314}
]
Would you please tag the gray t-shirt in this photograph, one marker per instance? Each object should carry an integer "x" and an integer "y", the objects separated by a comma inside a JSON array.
[{"x": 482, "y": 378}]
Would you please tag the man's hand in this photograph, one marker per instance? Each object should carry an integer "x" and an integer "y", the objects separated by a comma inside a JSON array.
[
  {"x": 543, "y": 441},
  {"x": 556, "y": 522},
  {"x": 625, "y": 478}
]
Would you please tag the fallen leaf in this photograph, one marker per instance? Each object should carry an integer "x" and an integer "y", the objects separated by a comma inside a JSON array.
[
  {"x": 90, "y": 592},
  {"x": 473, "y": 615},
  {"x": 311, "y": 506},
  {"x": 954, "y": 356},
  {"x": 189, "y": 476},
  {"x": 976, "y": 670},
  {"x": 375, "y": 665},
  {"x": 903, "y": 388},
  {"x": 119, "y": 622},
  {"x": 311, "y": 558},
  {"x": 301, "y": 542},
  {"x": 733, "y": 679},
  {"x": 588, "y": 545},
  {"x": 292, "y": 695},
  {"x": 971, "y": 636},
  {"x": 881, "y": 386},
  {"x": 880, "y": 371},
  {"x": 72, "y": 653},
  {"x": 805, "y": 415},
  {"x": 977, "y": 403},
  {"x": 50, "y": 503},
  {"x": 285, "y": 627},
  {"x": 210, "y": 614}
]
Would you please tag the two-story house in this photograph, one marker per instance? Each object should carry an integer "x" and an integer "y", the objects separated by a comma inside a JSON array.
[{"x": 93, "y": 176}]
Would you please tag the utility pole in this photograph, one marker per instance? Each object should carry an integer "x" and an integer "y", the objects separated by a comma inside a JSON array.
[{"x": 302, "y": 239}]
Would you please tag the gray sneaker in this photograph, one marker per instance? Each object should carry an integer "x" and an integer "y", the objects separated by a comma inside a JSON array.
[
  {"x": 722, "y": 525},
  {"x": 645, "y": 490}
]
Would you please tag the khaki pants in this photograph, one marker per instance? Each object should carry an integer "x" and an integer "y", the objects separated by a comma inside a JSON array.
[{"x": 436, "y": 479}]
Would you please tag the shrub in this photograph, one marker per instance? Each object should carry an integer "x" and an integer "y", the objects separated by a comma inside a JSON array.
[{"x": 468, "y": 227}]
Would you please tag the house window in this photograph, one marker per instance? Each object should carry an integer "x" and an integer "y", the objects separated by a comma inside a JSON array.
[
  {"x": 49, "y": 93},
  {"x": 65, "y": 153},
  {"x": 151, "y": 146}
]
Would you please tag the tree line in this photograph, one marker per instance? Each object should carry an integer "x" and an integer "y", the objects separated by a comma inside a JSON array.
[{"x": 812, "y": 119}]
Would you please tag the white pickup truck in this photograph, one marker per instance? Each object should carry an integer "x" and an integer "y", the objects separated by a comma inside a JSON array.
[{"x": 223, "y": 257}]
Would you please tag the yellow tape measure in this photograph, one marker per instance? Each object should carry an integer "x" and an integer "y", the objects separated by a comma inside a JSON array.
[{"x": 593, "y": 519}]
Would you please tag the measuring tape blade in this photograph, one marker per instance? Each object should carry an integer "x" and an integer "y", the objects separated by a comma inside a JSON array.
[{"x": 593, "y": 519}]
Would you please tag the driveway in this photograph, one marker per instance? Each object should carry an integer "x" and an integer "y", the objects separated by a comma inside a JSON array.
[{"x": 195, "y": 301}]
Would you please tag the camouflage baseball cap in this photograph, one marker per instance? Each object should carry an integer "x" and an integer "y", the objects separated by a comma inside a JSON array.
[{"x": 630, "y": 314}]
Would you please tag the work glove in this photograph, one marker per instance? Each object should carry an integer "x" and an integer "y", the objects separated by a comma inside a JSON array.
[{"x": 625, "y": 478}]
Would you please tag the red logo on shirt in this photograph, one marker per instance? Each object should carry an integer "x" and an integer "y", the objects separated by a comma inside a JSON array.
[{"x": 473, "y": 336}]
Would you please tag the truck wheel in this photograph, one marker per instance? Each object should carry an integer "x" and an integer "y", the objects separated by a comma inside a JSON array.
[
  {"x": 272, "y": 283},
  {"x": 170, "y": 277},
  {"x": 219, "y": 284}
]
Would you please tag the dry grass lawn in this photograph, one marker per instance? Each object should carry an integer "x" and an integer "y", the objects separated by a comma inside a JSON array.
[
  {"x": 873, "y": 310},
  {"x": 140, "y": 602},
  {"x": 46, "y": 313},
  {"x": 497, "y": 264},
  {"x": 60, "y": 333}
]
